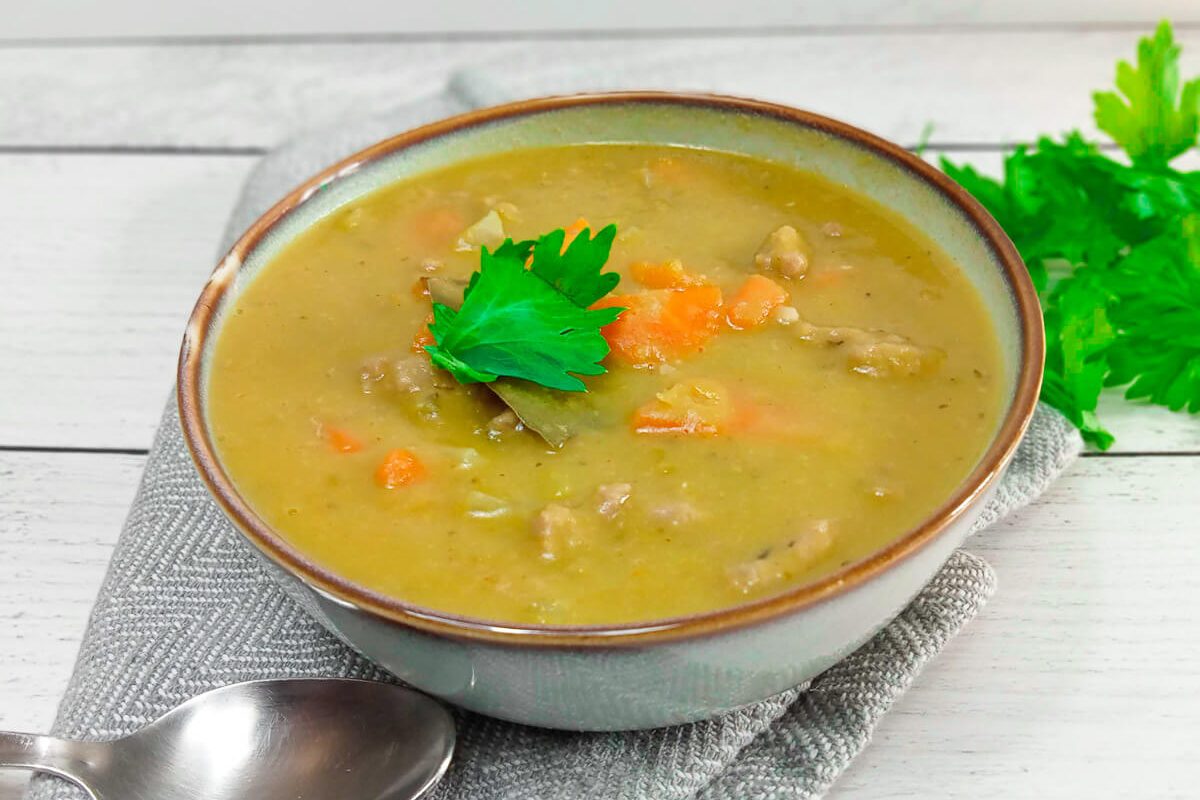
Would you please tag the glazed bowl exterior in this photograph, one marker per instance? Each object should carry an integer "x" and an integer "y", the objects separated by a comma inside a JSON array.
[{"x": 665, "y": 671}]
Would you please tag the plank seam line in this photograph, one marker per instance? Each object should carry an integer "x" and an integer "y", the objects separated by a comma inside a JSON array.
[
  {"x": 65, "y": 449},
  {"x": 711, "y": 32}
]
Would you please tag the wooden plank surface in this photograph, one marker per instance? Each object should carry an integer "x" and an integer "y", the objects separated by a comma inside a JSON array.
[
  {"x": 985, "y": 86},
  {"x": 1078, "y": 673}
]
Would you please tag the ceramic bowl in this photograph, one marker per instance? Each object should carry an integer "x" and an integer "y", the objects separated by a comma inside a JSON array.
[{"x": 672, "y": 670}]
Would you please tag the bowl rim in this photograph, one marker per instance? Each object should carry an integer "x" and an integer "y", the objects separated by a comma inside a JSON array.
[{"x": 352, "y": 595}]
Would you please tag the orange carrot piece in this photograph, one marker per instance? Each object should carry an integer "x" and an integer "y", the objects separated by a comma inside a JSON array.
[
  {"x": 419, "y": 289},
  {"x": 573, "y": 230},
  {"x": 665, "y": 275},
  {"x": 670, "y": 171},
  {"x": 698, "y": 408},
  {"x": 424, "y": 336},
  {"x": 399, "y": 467},
  {"x": 437, "y": 225},
  {"x": 753, "y": 303},
  {"x": 825, "y": 278},
  {"x": 340, "y": 439},
  {"x": 662, "y": 324}
]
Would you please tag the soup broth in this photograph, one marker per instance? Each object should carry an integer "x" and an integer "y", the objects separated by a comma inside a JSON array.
[{"x": 824, "y": 418}]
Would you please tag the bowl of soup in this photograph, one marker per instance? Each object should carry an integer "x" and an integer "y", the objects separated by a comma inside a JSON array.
[{"x": 826, "y": 355}]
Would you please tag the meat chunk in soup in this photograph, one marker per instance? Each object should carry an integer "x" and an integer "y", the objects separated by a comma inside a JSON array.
[
  {"x": 611, "y": 496},
  {"x": 878, "y": 354},
  {"x": 783, "y": 561},
  {"x": 557, "y": 529}
]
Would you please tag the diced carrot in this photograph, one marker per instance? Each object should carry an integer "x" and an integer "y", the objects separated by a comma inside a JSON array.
[
  {"x": 662, "y": 324},
  {"x": 753, "y": 303},
  {"x": 419, "y": 289},
  {"x": 665, "y": 275},
  {"x": 825, "y": 278},
  {"x": 700, "y": 408},
  {"x": 437, "y": 225},
  {"x": 340, "y": 439},
  {"x": 669, "y": 171},
  {"x": 424, "y": 336},
  {"x": 573, "y": 230},
  {"x": 399, "y": 467}
]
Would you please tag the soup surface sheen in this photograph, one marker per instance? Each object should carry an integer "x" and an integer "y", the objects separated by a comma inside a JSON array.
[{"x": 839, "y": 425}]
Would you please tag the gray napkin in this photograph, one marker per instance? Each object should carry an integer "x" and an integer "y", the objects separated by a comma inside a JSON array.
[{"x": 186, "y": 607}]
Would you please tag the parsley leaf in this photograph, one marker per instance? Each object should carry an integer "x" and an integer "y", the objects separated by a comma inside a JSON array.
[
  {"x": 514, "y": 323},
  {"x": 1158, "y": 318},
  {"x": 576, "y": 271},
  {"x": 1156, "y": 121},
  {"x": 1113, "y": 248}
]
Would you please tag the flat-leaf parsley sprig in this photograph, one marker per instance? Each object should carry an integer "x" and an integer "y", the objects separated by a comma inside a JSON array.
[
  {"x": 1113, "y": 248},
  {"x": 533, "y": 321}
]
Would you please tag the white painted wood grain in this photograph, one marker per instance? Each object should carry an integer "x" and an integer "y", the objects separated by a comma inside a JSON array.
[
  {"x": 105, "y": 257},
  {"x": 59, "y": 517},
  {"x": 1077, "y": 680},
  {"x": 124, "y": 18},
  {"x": 974, "y": 86}
]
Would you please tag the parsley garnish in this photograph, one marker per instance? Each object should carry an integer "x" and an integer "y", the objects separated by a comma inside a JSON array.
[
  {"x": 1113, "y": 248},
  {"x": 530, "y": 323}
]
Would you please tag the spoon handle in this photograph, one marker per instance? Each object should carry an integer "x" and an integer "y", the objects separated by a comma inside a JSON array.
[{"x": 72, "y": 760}]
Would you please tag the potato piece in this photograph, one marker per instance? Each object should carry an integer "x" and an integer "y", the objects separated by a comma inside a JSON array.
[
  {"x": 783, "y": 252},
  {"x": 487, "y": 232},
  {"x": 676, "y": 512}
]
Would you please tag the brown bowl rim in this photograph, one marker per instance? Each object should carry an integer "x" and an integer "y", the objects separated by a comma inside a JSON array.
[{"x": 350, "y": 594}]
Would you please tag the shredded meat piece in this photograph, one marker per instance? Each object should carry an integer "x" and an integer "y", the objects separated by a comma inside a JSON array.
[
  {"x": 557, "y": 530},
  {"x": 610, "y": 497},
  {"x": 783, "y": 561},
  {"x": 783, "y": 252},
  {"x": 410, "y": 379},
  {"x": 873, "y": 352},
  {"x": 504, "y": 425}
]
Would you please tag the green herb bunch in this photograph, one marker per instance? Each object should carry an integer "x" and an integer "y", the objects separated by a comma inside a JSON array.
[{"x": 1113, "y": 247}]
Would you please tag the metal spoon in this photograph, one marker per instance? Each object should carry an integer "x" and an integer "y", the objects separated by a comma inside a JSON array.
[{"x": 268, "y": 740}]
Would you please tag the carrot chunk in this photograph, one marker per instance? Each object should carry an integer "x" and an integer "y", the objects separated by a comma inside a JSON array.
[
  {"x": 665, "y": 275},
  {"x": 753, "y": 303},
  {"x": 573, "y": 230},
  {"x": 437, "y": 225},
  {"x": 662, "y": 324},
  {"x": 424, "y": 336},
  {"x": 699, "y": 408},
  {"x": 399, "y": 467},
  {"x": 340, "y": 439}
]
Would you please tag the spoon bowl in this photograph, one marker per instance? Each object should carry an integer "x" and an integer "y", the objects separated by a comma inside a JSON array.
[{"x": 313, "y": 739}]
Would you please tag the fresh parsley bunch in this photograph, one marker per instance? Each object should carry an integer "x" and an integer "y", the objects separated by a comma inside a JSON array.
[
  {"x": 1113, "y": 248},
  {"x": 531, "y": 322}
]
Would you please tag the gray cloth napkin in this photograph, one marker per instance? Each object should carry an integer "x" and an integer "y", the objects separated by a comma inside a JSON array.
[{"x": 186, "y": 607}]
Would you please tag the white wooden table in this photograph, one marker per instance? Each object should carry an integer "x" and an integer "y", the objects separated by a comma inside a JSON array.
[{"x": 121, "y": 154}]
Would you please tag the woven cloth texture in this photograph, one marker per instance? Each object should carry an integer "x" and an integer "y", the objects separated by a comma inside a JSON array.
[{"x": 186, "y": 607}]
